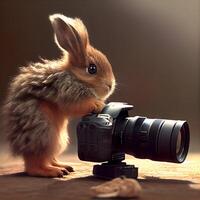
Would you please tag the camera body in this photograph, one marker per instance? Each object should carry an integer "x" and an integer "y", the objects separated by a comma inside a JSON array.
[
  {"x": 96, "y": 141},
  {"x": 107, "y": 136}
]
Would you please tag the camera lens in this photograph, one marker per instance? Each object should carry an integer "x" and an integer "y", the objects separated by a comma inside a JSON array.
[
  {"x": 155, "y": 139},
  {"x": 181, "y": 137}
]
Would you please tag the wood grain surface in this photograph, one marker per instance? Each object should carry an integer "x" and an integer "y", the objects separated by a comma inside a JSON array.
[{"x": 159, "y": 180}]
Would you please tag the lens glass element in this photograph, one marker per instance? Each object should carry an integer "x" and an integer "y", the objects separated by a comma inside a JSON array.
[{"x": 178, "y": 143}]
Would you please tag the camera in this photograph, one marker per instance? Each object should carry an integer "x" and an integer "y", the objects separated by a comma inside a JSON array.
[{"x": 106, "y": 137}]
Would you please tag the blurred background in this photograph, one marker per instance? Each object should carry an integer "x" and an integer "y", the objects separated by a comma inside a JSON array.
[{"x": 153, "y": 46}]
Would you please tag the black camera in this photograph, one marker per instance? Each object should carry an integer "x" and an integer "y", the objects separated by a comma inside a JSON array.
[{"x": 107, "y": 136}]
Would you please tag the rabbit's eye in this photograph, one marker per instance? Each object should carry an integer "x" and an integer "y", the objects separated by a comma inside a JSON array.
[{"x": 92, "y": 69}]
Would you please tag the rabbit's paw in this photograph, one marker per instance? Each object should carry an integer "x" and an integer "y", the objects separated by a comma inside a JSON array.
[
  {"x": 98, "y": 106},
  {"x": 48, "y": 171},
  {"x": 62, "y": 165}
]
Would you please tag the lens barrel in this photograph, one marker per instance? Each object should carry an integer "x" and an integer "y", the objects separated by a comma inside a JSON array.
[{"x": 155, "y": 139}]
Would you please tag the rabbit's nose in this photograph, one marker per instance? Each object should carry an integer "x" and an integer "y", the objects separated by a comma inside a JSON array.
[{"x": 109, "y": 86}]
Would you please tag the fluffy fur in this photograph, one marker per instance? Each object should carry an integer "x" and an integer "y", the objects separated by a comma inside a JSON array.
[{"x": 44, "y": 95}]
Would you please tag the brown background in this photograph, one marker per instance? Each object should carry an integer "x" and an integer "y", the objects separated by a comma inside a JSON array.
[{"x": 153, "y": 46}]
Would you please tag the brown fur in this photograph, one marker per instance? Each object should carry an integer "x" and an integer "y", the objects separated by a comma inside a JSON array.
[{"x": 44, "y": 95}]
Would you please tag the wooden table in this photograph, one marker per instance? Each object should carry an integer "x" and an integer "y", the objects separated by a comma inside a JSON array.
[{"x": 159, "y": 180}]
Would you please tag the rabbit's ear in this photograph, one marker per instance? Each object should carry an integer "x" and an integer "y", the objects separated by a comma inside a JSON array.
[{"x": 71, "y": 35}]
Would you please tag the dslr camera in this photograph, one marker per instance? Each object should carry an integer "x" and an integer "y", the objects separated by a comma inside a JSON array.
[{"x": 108, "y": 136}]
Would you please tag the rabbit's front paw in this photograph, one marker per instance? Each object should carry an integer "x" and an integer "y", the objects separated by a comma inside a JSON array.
[{"x": 98, "y": 106}]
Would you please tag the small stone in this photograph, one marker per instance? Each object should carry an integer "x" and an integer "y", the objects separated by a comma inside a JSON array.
[{"x": 117, "y": 187}]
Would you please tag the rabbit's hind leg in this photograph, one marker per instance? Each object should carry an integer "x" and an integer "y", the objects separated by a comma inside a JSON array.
[
  {"x": 57, "y": 163},
  {"x": 39, "y": 166}
]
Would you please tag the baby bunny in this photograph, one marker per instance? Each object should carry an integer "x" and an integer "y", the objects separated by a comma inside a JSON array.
[{"x": 44, "y": 95}]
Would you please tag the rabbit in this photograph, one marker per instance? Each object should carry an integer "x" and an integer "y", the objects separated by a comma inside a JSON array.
[{"x": 45, "y": 95}]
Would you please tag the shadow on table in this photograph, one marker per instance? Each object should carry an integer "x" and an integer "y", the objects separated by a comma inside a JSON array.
[
  {"x": 153, "y": 179},
  {"x": 21, "y": 186}
]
